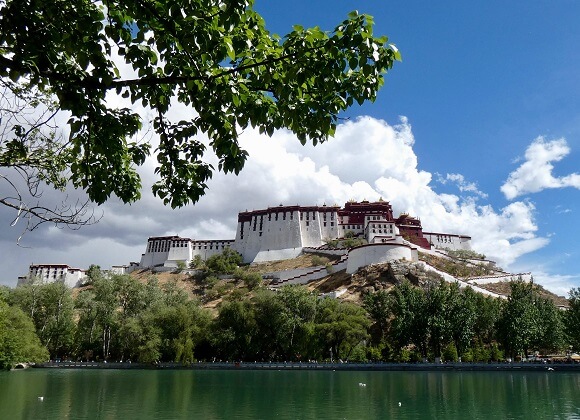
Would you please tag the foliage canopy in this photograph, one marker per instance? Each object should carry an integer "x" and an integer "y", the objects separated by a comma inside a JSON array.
[{"x": 98, "y": 60}]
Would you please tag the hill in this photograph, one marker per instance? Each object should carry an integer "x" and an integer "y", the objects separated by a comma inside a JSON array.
[{"x": 340, "y": 284}]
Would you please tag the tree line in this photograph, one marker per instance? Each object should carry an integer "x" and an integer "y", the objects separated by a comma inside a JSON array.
[{"x": 120, "y": 318}]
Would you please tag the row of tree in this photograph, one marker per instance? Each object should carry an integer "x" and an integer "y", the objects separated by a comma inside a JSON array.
[
  {"x": 442, "y": 319},
  {"x": 120, "y": 318}
]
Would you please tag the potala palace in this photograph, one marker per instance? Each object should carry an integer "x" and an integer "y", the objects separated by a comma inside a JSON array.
[{"x": 284, "y": 232}]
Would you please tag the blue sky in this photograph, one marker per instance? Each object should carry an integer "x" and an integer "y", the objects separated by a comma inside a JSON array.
[{"x": 480, "y": 82}]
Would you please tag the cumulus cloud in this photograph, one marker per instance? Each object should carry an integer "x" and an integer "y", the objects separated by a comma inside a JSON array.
[
  {"x": 462, "y": 184},
  {"x": 535, "y": 174},
  {"x": 367, "y": 159}
]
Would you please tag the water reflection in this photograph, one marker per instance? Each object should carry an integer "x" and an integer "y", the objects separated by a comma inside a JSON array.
[{"x": 109, "y": 394}]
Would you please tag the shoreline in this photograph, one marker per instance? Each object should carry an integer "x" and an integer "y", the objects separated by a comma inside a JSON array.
[{"x": 239, "y": 366}]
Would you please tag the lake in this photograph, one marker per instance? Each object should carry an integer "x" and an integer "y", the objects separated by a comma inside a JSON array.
[{"x": 231, "y": 394}]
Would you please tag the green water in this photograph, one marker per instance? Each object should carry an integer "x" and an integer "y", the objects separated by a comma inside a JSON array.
[{"x": 118, "y": 394}]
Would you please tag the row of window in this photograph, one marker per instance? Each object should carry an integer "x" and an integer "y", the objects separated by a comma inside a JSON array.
[
  {"x": 163, "y": 246},
  {"x": 158, "y": 246},
  {"x": 218, "y": 246},
  {"x": 383, "y": 230},
  {"x": 443, "y": 238},
  {"x": 381, "y": 226}
]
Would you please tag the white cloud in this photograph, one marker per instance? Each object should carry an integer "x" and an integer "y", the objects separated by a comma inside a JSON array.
[
  {"x": 535, "y": 174},
  {"x": 462, "y": 184},
  {"x": 367, "y": 159}
]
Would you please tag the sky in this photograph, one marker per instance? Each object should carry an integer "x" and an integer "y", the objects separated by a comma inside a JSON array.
[{"x": 476, "y": 132}]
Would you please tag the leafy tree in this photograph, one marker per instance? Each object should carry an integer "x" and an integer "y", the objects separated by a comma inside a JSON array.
[
  {"x": 225, "y": 263},
  {"x": 94, "y": 273},
  {"x": 18, "y": 339},
  {"x": 437, "y": 301},
  {"x": 88, "y": 329},
  {"x": 106, "y": 308},
  {"x": 551, "y": 334},
  {"x": 410, "y": 324},
  {"x": 341, "y": 326},
  {"x": 378, "y": 306},
  {"x": 270, "y": 319},
  {"x": 4, "y": 293},
  {"x": 172, "y": 294},
  {"x": 519, "y": 324},
  {"x": 51, "y": 307},
  {"x": 572, "y": 319},
  {"x": 488, "y": 312},
  {"x": 57, "y": 327},
  {"x": 298, "y": 317},
  {"x": 185, "y": 326},
  {"x": 462, "y": 312},
  {"x": 28, "y": 297},
  {"x": 234, "y": 330},
  {"x": 217, "y": 58}
]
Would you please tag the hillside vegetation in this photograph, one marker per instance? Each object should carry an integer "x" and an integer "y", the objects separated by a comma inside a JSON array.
[{"x": 397, "y": 311}]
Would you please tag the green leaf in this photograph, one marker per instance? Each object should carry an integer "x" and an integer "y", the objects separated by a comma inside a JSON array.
[{"x": 229, "y": 48}]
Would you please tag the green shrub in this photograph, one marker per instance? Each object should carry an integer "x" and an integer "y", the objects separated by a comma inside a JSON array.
[
  {"x": 180, "y": 266},
  {"x": 495, "y": 353},
  {"x": 404, "y": 356},
  {"x": 316, "y": 260},
  {"x": 197, "y": 263},
  {"x": 467, "y": 356},
  {"x": 450, "y": 353},
  {"x": 210, "y": 281},
  {"x": 252, "y": 280},
  {"x": 225, "y": 263},
  {"x": 358, "y": 355}
]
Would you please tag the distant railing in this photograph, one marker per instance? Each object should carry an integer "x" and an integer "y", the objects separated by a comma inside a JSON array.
[{"x": 545, "y": 366}]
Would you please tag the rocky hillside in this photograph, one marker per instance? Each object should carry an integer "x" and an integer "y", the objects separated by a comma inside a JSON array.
[{"x": 350, "y": 287}]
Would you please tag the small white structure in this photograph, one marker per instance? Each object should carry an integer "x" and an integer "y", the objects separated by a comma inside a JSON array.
[
  {"x": 379, "y": 253},
  {"x": 48, "y": 273},
  {"x": 168, "y": 251},
  {"x": 124, "y": 269},
  {"x": 447, "y": 240}
]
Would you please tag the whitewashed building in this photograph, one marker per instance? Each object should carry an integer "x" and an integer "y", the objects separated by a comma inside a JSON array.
[
  {"x": 168, "y": 251},
  {"x": 281, "y": 232},
  {"x": 48, "y": 273}
]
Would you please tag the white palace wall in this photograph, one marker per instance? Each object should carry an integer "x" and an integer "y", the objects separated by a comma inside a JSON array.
[
  {"x": 378, "y": 253},
  {"x": 445, "y": 240},
  {"x": 278, "y": 233},
  {"x": 49, "y": 273},
  {"x": 281, "y": 233}
]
